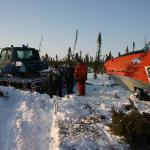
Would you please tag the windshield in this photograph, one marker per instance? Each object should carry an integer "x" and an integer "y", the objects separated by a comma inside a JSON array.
[
  {"x": 24, "y": 54},
  {"x": 30, "y": 54}
]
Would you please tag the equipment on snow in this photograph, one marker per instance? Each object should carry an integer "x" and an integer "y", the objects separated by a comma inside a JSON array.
[
  {"x": 131, "y": 70},
  {"x": 21, "y": 67}
]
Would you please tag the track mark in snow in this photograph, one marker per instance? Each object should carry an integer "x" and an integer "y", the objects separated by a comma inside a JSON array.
[
  {"x": 77, "y": 125},
  {"x": 30, "y": 122},
  {"x": 55, "y": 129},
  {"x": 54, "y": 134}
]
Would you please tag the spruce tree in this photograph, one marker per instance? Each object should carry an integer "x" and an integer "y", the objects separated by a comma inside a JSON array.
[
  {"x": 69, "y": 55},
  {"x": 99, "y": 41},
  {"x": 98, "y": 54}
]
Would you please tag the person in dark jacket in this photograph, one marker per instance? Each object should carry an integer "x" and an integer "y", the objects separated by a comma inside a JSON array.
[
  {"x": 50, "y": 91},
  {"x": 69, "y": 78},
  {"x": 56, "y": 81}
]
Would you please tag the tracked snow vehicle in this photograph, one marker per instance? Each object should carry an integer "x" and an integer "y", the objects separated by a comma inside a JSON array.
[{"x": 21, "y": 67}]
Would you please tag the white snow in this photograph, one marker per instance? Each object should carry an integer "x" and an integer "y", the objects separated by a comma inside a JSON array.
[{"x": 33, "y": 121}]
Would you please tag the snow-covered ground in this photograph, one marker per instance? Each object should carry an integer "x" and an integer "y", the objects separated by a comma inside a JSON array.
[{"x": 33, "y": 121}]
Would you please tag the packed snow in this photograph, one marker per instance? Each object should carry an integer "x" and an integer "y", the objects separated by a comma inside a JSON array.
[{"x": 33, "y": 121}]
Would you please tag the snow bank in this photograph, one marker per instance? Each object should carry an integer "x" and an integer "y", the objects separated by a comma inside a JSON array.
[
  {"x": 27, "y": 122},
  {"x": 34, "y": 121}
]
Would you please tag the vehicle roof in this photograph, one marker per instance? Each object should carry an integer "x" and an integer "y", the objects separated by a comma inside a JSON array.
[
  {"x": 134, "y": 52},
  {"x": 21, "y": 48}
]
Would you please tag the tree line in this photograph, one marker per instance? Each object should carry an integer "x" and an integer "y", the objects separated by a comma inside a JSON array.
[{"x": 94, "y": 63}]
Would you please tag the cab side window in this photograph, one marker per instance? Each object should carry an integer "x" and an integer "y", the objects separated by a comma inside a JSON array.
[
  {"x": 3, "y": 54},
  {"x": 8, "y": 55}
]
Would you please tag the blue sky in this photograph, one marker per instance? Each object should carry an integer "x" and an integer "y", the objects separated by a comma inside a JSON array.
[{"x": 120, "y": 22}]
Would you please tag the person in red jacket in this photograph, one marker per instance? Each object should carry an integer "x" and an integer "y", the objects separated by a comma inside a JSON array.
[{"x": 81, "y": 77}]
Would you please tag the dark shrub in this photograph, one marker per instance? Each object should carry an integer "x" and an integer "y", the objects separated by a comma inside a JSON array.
[{"x": 135, "y": 127}]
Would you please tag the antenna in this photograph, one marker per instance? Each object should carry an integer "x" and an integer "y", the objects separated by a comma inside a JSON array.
[
  {"x": 146, "y": 47},
  {"x": 41, "y": 42},
  {"x": 133, "y": 46},
  {"x": 145, "y": 40}
]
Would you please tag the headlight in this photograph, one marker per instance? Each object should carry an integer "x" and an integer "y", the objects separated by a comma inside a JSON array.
[{"x": 18, "y": 63}]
